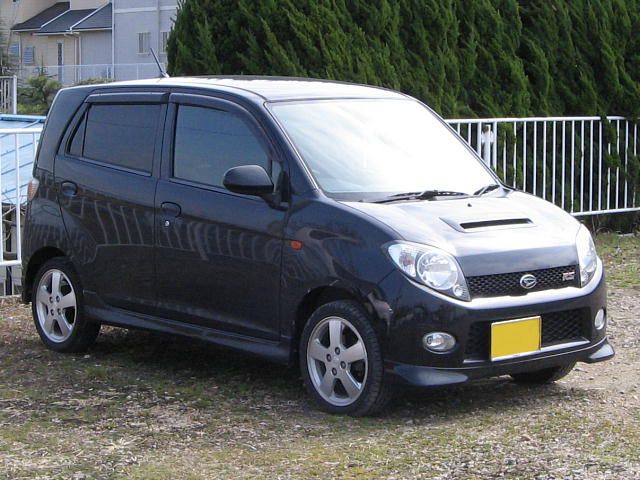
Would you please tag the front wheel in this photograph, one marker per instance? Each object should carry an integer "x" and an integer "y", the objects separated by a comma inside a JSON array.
[
  {"x": 57, "y": 306},
  {"x": 541, "y": 377},
  {"x": 341, "y": 360}
]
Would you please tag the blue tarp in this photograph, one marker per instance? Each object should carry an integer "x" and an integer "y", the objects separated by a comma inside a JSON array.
[{"x": 26, "y": 150}]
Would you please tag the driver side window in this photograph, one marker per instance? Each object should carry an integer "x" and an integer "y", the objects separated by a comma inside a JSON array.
[{"x": 208, "y": 142}]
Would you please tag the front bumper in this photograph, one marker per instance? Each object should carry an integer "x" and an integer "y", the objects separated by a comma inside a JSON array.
[
  {"x": 431, "y": 377},
  {"x": 414, "y": 310}
]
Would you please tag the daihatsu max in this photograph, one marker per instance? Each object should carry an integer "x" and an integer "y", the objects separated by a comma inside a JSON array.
[{"x": 340, "y": 227}]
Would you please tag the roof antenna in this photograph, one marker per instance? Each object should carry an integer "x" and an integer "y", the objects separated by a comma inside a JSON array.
[{"x": 163, "y": 74}]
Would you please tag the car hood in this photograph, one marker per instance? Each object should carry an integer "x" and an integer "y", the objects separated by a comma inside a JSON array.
[{"x": 504, "y": 232}]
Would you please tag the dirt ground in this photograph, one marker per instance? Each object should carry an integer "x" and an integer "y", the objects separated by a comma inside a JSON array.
[{"x": 146, "y": 406}]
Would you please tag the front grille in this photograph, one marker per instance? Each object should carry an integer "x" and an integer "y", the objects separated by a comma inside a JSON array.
[
  {"x": 478, "y": 340},
  {"x": 557, "y": 327},
  {"x": 563, "y": 326},
  {"x": 509, "y": 283}
]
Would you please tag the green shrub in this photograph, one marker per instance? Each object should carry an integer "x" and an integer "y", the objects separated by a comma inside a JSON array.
[{"x": 36, "y": 97}]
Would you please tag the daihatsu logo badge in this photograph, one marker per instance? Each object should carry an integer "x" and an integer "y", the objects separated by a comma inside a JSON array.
[{"x": 528, "y": 281}]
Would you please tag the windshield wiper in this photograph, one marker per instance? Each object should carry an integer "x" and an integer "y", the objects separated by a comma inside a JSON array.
[
  {"x": 486, "y": 189},
  {"x": 424, "y": 195}
]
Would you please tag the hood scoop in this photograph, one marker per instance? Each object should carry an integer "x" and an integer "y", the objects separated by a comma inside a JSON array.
[{"x": 495, "y": 223}]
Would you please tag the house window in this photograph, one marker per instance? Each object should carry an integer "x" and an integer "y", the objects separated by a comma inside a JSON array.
[
  {"x": 14, "y": 50},
  {"x": 163, "y": 42},
  {"x": 144, "y": 42},
  {"x": 28, "y": 56}
]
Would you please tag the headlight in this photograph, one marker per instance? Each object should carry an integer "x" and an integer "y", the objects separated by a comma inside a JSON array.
[
  {"x": 430, "y": 266},
  {"x": 587, "y": 257}
]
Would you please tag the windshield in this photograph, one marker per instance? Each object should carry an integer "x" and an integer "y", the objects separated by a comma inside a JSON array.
[{"x": 371, "y": 147}]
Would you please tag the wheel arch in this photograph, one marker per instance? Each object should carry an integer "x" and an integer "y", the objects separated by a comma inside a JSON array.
[
  {"x": 35, "y": 262},
  {"x": 322, "y": 295}
]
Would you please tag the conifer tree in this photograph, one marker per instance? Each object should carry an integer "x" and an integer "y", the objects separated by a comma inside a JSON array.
[{"x": 479, "y": 58}]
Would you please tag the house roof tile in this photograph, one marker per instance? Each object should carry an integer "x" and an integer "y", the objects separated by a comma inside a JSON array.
[{"x": 36, "y": 22}]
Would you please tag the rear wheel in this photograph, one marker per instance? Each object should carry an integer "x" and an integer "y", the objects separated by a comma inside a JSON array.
[
  {"x": 341, "y": 360},
  {"x": 57, "y": 306},
  {"x": 540, "y": 377}
]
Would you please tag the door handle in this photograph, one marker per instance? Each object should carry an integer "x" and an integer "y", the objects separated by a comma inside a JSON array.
[
  {"x": 170, "y": 208},
  {"x": 68, "y": 189}
]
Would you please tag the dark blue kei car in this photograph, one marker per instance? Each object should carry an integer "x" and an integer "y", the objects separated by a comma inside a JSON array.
[{"x": 340, "y": 227}]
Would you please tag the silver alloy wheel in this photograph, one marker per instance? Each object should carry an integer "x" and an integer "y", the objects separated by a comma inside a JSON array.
[
  {"x": 56, "y": 305},
  {"x": 337, "y": 361}
]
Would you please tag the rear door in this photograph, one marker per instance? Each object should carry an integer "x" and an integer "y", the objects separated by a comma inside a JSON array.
[
  {"x": 105, "y": 178},
  {"x": 218, "y": 253}
]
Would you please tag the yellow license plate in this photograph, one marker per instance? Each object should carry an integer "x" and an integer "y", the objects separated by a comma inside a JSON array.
[{"x": 514, "y": 338}]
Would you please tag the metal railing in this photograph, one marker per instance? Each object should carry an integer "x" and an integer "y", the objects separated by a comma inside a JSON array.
[
  {"x": 585, "y": 165},
  {"x": 73, "y": 74},
  {"x": 17, "y": 151},
  {"x": 9, "y": 94}
]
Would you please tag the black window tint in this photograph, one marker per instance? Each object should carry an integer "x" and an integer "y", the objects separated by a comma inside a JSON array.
[
  {"x": 209, "y": 142},
  {"x": 75, "y": 147},
  {"x": 122, "y": 135}
]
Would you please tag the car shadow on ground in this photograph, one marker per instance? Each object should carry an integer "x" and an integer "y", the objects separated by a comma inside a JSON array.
[{"x": 192, "y": 362}]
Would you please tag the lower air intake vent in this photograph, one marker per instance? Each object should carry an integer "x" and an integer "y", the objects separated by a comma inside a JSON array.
[{"x": 557, "y": 328}]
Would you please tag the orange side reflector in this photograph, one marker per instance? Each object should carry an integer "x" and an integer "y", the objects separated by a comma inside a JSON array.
[
  {"x": 296, "y": 245},
  {"x": 32, "y": 188}
]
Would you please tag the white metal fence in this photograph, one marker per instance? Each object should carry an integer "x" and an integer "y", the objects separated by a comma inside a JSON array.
[
  {"x": 73, "y": 74},
  {"x": 586, "y": 165},
  {"x": 9, "y": 95},
  {"x": 17, "y": 151}
]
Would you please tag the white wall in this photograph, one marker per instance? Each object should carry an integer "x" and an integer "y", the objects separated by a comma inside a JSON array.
[
  {"x": 132, "y": 17},
  {"x": 84, "y": 4},
  {"x": 17, "y": 12},
  {"x": 95, "y": 47}
]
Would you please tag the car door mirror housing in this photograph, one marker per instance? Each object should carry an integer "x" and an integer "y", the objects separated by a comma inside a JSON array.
[{"x": 248, "y": 180}]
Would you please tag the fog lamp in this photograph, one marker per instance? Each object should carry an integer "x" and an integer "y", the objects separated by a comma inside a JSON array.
[
  {"x": 600, "y": 320},
  {"x": 438, "y": 342}
]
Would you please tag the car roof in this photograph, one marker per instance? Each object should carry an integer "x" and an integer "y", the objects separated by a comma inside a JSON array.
[{"x": 271, "y": 89}]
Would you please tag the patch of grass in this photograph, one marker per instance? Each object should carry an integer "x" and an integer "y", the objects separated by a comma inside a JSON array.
[
  {"x": 139, "y": 406},
  {"x": 98, "y": 372},
  {"x": 621, "y": 257},
  {"x": 394, "y": 449},
  {"x": 14, "y": 434}
]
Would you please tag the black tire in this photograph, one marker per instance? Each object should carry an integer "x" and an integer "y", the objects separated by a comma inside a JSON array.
[
  {"x": 541, "y": 377},
  {"x": 375, "y": 393},
  {"x": 84, "y": 331}
]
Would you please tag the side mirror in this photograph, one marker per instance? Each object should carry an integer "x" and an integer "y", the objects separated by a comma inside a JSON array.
[{"x": 248, "y": 180}]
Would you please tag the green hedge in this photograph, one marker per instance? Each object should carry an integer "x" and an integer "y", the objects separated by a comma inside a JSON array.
[{"x": 463, "y": 57}]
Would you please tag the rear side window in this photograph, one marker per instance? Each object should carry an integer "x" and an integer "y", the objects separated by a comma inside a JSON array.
[
  {"x": 209, "y": 142},
  {"x": 120, "y": 135}
]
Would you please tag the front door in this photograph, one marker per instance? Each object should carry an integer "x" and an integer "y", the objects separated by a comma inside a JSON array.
[{"x": 218, "y": 253}]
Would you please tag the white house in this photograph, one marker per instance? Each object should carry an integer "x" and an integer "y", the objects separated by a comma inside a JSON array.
[
  {"x": 88, "y": 39},
  {"x": 70, "y": 41}
]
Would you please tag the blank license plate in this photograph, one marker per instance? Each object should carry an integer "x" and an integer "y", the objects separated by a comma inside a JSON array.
[{"x": 514, "y": 338}]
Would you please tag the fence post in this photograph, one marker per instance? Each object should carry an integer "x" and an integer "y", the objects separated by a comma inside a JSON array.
[
  {"x": 487, "y": 140},
  {"x": 14, "y": 95}
]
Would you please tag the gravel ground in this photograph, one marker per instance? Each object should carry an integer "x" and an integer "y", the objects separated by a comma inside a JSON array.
[{"x": 141, "y": 405}]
